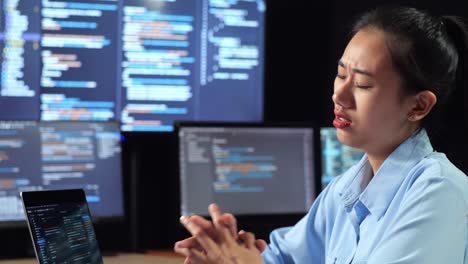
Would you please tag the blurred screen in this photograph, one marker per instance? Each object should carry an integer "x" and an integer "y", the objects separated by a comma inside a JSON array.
[
  {"x": 336, "y": 157},
  {"x": 246, "y": 170},
  {"x": 61, "y": 155}
]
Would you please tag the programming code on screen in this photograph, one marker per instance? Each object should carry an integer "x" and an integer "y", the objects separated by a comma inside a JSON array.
[
  {"x": 78, "y": 51},
  {"x": 19, "y": 60},
  {"x": 60, "y": 155},
  {"x": 145, "y": 63},
  {"x": 64, "y": 233},
  {"x": 246, "y": 170},
  {"x": 336, "y": 157}
]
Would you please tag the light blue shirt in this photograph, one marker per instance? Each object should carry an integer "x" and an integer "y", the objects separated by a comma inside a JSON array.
[{"x": 413, "y": 211}]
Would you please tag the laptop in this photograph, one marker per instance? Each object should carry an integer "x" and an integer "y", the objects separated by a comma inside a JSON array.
[{"x": 60, "y": 225}]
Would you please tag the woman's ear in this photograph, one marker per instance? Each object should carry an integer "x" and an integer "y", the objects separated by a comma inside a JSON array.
[{"x": 423, "y": 102}]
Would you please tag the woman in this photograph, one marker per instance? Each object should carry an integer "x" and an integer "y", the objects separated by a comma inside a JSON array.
[{"x": 403, "y": 202}]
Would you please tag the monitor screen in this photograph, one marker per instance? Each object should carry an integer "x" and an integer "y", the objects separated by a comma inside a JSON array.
[
  {"x": 61, "y": 155},
  {"x": 144, "y": 63},
  {"x": 247, "y": 170},
  {"x": 336, "y": 157}
]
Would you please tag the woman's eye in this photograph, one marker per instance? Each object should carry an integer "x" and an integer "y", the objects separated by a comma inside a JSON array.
[
  {"x": 363, "y": 86},
  {"x": 342, "y": 77}
]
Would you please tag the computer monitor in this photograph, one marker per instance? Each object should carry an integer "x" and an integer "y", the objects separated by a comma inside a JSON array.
[
  {"x": 336, "y": 157},
  {"x": 145, "y": 63},
  {"x": 61, "y": 155},
  {"x": 247, "y": 169}
]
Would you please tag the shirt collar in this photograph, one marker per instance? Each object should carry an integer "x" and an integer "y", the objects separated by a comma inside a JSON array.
[{"x": 381, "y": 189}]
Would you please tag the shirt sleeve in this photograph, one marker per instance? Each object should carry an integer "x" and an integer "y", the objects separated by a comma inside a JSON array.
[
  {"x": 305, "y": 241},
  {"x": 431, "y": 227}
]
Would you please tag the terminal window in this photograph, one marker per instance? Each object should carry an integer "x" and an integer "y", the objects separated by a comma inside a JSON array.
[
  {"x": 246, "y": 170},
  {"x": 60, "y": 155}
]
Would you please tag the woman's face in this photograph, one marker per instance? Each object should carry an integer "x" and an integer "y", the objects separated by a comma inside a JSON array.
[{"x": 371, "y": 109}]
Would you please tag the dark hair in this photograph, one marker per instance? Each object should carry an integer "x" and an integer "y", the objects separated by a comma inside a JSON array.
[{"x": 430, "y": 53}]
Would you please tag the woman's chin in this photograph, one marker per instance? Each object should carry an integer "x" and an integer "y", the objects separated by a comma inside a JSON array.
[{"x": 346, "y": 137}]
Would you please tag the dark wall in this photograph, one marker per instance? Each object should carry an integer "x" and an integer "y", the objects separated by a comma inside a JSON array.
[{"x": 297, "y": 75}]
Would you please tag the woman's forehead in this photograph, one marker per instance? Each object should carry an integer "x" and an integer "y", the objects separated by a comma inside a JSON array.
[{"x": 367, "y": 50}]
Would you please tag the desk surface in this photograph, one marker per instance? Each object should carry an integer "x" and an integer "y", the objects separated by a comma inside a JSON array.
[{"x": 120, "y": 259}]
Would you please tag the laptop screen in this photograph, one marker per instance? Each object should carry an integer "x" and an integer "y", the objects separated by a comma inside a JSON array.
[{"x": 61, "y": 227}]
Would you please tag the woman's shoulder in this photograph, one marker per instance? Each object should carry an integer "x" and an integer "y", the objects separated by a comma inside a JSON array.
[
  {"x": 437, "y": 165},
  {"x": 437, "y": 170}
]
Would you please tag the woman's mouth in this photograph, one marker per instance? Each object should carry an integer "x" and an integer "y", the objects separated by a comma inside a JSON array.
[{"x": 341, "y": 121}]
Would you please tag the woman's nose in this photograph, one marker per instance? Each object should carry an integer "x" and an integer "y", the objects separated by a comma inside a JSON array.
[{"x": 342, "y": 94}]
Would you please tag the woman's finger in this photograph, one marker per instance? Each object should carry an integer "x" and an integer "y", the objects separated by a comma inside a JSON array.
[
  {"x": 218, "y": 222},
  {"x": 247, "y": 238},
  {"x": 182, "y": 251},
  {"x": 205, "y": 225},
  {"x": 261, "y": 245},
  {"x": 229, "y": 240},
  {"x": 197, "y": 256},
  {"x": 201, "y": 222},
  {"x": 200, "y": 235},
  {"x": 215, "y": 213},
  {"x": 187, "y": 243},
  {"x": 230, "y": 221}
]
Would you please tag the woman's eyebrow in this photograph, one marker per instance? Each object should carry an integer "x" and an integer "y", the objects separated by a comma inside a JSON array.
[
  {"x": 340, "y": 63},
  {"x": 356, "y": 70},
  {"x": 364, "y": 72}
]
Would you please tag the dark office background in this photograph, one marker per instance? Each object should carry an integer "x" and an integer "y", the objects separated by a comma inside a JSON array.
[{"x": 304, "y": 40}]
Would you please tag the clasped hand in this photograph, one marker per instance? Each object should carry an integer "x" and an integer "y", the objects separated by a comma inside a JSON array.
[{"x": 218, "y": 242}]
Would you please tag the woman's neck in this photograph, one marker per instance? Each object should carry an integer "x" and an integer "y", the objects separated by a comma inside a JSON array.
[
  {"x": 376, "y": 161},
  {"x": 377, "y": 157}
]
